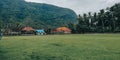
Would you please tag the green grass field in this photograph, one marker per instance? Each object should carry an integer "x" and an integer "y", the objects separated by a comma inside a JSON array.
[{"x": 61, "y": 47}]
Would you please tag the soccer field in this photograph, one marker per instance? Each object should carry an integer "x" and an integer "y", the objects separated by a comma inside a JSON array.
[{"x": 61, "y": 47}]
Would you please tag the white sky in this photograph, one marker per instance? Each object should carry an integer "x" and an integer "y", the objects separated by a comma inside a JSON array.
[{"x": 80, "y": 6}]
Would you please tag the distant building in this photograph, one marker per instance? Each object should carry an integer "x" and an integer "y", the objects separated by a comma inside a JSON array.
[
  {"x": 40, "y": 32},
  {"x": 28, "y": 30},
  {"x": 62, "y": 30}
]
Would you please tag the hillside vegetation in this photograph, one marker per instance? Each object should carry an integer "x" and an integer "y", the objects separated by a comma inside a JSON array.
[{"x": 19, "y": 13}]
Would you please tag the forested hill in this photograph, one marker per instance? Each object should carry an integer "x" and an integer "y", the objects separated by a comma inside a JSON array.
[{"x": 19, "y": 13}]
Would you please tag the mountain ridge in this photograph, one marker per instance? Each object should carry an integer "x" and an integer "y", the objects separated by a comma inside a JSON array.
[{"x": 37, "y": 15}]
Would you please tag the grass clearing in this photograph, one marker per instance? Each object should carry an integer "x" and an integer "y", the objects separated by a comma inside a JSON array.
[{"x": 61, "y": 47}]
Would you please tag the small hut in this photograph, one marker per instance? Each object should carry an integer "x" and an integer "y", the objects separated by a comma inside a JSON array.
[
  {"x": 28, "y": 30},
  {"x": 40, "y": 32},
  {"x": 62, "y": 30}
]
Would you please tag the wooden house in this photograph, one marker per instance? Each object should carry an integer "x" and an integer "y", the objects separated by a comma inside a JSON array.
[
  {"x": 28, "y": 30},
  {"x": 64, "y": 30}
]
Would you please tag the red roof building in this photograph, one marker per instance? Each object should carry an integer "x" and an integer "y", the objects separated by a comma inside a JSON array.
[
  {"x": 62, "y": 30},
  {"x": 28, "y": 29}
]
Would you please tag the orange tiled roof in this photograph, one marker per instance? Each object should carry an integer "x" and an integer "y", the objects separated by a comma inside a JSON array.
[
  {"x": 63, "y": 29},
  {"x": 28, "y": 29}
]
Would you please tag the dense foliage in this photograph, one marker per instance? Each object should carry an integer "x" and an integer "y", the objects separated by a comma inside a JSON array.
[
  {"x": 15, "y": 14},
  {"x": 107, "y": 20}
]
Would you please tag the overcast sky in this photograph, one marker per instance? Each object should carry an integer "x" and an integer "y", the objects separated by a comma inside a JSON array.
[{"x": 80, "y": 6}]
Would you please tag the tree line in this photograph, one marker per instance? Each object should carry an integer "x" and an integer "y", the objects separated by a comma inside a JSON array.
[{"x": 105, "y": 21}]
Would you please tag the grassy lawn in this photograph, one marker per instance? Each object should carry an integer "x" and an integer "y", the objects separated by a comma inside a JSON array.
[{"x": 61, "y": 47}]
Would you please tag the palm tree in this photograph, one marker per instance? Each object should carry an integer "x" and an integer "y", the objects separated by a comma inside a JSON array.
[
  {"x": 102, "y": 15},
  {"x": 90, "y": 20}
]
